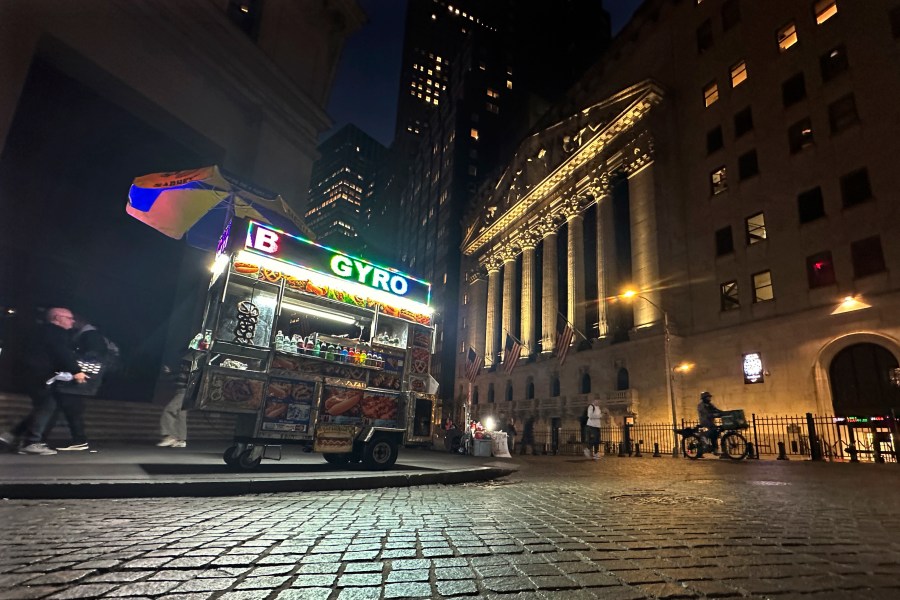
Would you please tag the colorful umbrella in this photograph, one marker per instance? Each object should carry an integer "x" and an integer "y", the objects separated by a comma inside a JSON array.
[{"x": 198, "y": 204}]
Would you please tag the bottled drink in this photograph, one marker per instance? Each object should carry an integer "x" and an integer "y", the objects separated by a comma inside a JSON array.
[
  {"x": 317, "y": 349},
  {"x": 206, "y": 342},
  {"x": 362, "y": 356},
  {"x": 279, "y": 340},
  {"x": 351, "y": 355},
  {"x": 329, "y": 352},
  {"x": 195, "y": 343},
  {"x": 345, "y": 354}
]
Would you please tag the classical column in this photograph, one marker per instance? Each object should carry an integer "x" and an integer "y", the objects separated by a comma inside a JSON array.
[
  {"x": 574, "y": 219},
  {"x": 492, "y": 321},
  {"x": 549, "y": 288},
  {"x": 528, "y": 240},
  {"x": 605, "y": 254},
  {"x": 477, "y": 312},
  {"x": 509, "y": 254},
  {"x": 644, "y": 236}
]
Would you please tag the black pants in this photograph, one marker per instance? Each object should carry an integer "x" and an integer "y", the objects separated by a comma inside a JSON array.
[
  {"x": 72, "y": 407},
  {"x": 43, "y": 404}
]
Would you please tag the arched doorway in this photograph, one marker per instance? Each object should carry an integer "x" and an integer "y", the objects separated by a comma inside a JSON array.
[{"x": 860, "y": 381}]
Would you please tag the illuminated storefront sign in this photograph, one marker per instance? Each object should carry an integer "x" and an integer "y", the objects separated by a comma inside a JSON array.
[
  {"x": 309, "y": 255},
  {"x": 753, "y": 368}
]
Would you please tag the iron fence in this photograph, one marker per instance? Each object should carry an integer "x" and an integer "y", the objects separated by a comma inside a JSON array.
[{"x": 807, "y": 436}]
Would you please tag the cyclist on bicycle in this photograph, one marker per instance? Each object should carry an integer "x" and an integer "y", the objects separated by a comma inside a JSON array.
[{"x": 707, "y": 412}]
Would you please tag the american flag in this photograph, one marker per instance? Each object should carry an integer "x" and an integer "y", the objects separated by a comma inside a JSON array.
[
  {"x": 511, "y": 357},
  {"x": 473, "y": 365},
  {"x": 563, "y": 341}
]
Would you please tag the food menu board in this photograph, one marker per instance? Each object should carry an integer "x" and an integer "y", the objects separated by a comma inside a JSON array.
[
  {"x": 288, "y": 407},
  {"x": 391, "y": 378},
  {"x": 336, "y": 439},
  {"x": 380, "y": 409},
  {"x": 341, "y": 405},
  {"x": 234, "y": 392}
]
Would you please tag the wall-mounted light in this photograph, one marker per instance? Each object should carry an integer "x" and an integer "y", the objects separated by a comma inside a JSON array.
[
  {"x": 684, "y": 367},
  {"x": 849, "y": 304}
]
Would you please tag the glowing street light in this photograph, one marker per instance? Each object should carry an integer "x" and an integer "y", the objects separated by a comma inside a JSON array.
[{"x": 670, "y": 389}]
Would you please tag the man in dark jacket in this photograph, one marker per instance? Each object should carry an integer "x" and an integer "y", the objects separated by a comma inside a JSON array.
[
  {"x": 707, "y": 413},
  {"x": 49, "y": 352}
]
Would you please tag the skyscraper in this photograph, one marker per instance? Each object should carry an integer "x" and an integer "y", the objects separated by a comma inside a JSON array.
[{"x": 342, "y": 188}]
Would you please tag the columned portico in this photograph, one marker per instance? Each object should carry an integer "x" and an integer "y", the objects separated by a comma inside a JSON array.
[
  {"x": 509, "y": 297},
  {"x": 575, "y": 261},
  {"x": 644, "y": 246},
  {"x": 492, "y": 320},
  {"x": 478, "y": 313},
  {"x": 549, "y": 289},
  {"x": 605, "y": 249},
  {"x": 529, "y": 242}
]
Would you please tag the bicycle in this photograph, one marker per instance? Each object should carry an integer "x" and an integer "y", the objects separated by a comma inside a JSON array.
[{"x": 695, "y": 442}]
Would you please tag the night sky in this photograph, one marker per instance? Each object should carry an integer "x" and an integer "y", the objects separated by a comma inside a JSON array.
[{"x": 366, "y": 84}]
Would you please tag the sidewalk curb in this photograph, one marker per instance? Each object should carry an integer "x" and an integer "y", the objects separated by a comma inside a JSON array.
[{"x": 162, "y": 489}]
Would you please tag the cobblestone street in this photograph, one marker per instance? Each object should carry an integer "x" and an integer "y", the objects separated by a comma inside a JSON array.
[{"x": 561, "y": 527}]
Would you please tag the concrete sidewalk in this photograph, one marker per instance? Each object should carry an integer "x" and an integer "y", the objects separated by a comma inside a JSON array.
[{"x": 131, "y": 471}]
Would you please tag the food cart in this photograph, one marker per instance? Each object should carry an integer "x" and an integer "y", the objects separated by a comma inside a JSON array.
[{"x": 308, "y": 345}]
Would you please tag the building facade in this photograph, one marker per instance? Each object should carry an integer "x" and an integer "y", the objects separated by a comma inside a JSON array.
[
  {"x": 731, "y": 163},
  {"x": 342, "y": 189}
]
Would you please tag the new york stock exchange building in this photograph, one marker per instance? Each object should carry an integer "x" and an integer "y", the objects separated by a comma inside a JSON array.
[{"x": 714, "y": 207}]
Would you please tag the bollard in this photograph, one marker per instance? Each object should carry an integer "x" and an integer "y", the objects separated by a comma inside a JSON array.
[
  {"x": 815, "y": 447},
  {"x": 656, "y": 453},
  {"x": 782, "y": 455},
  {"x": 853, "y": 452},
  {"x": 621, "y": 449},
  {"x": 637, "y": 449}
]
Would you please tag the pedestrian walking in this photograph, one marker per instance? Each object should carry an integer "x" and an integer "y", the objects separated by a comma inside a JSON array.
[
  {"x": 173, "y": 421},
  {"x": 511, "y": 434},
  {"x": 49, "y": 352},
  {"x": 592, "y": 427}
]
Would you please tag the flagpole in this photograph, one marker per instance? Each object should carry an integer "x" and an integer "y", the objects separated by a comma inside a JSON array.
[{"x": 575, "y": 329}]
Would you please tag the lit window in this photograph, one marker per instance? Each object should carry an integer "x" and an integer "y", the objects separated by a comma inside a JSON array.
[
  {"x": 762, "y": 287},
  {"x": 718, "y": 181},
  {"x": 824, "y": 10},
  {"x": 508, "y": 84},
  {"x": 728, "y": 296},
  {"x": 710, "y": 94},
  {"x": 787, "y": 36},
  {"x": 738, "y": 74},
  {"x": 473, "y": 134},
  {"x": 433, "y": 17},
  {"x": 820, "y": 270},
  {"x": 756, "y": 229},
  {"x": 492, "y": 94}
]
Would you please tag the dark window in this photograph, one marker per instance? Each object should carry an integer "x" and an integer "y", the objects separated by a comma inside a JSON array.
[
  {"x": 490, "y": 392},
  {"x": 743, "y": 122},
  {"x": 731, "y": 14},
  {"x": 855, "y": 188},
  {"x": 811, "y": 205},
  {"x": 724, "y": 241},
  {"x": 895, "y": 22},
  {"x": 748, "y": 165},
  {"x": 842, "y": 113},
  {"x": 793, "y": 90},
  {"x": 622, "y": 379},
  {"x": 704, "y": 36},
  {"x": 718, "y": 181},
  {"x": 820, "y": 270},
  {"x": 554, "y": 387},
  {"x": 475, "y": 395},
  {"x": 585, "y": 384},
  {"x": 834, "y": 62},
  {"x": 867, "y": 257},
  {"x": 728, "y": 296},
  {"x": 800, "y": 135},
  {"x": 246, "y": 15},
  {"x": 509, "y": 391},
  {"x": 529, "y": 390},
  {"x": 714, "y": 140}
]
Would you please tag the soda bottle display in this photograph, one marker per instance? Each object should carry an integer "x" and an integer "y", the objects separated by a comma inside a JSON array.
[
  {"x": 362, "y": 356},
  {"x": 195, "y": 343},
  {"x": 351, "y": 355},
  {"x": 279, "y": 340},
  {"x": 317, "y": 349},
  {"x": 345, "y": 354}
]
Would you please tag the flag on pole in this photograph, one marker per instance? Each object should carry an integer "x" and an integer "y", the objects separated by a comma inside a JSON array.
[
  {"x": 511, "y": 357},
  {"x": 563, "y": 341},
  {"x": 473, "y": 364}
]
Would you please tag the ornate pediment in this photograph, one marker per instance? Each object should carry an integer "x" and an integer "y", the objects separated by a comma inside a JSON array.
[{"x": 564, "y": 158}]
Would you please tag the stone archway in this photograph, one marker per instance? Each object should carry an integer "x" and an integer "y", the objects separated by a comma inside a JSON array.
[{"x": 862, "y": 346}]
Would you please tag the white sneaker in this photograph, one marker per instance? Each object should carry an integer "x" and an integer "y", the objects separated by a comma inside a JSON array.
[
  {"x": 167, "y": 442},
  {"x": 75, "y": 448},
  {"x": 597, "y": 456},
  {"x": 178, "y": 444},
  {"x": 587, "y": 453},
  {"x": 38, "y": 449}
]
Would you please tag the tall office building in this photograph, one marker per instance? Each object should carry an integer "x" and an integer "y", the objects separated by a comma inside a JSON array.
[
  {"x": 734, "y": 164},
  {"x": 468, "y": 87},
  {"x": 342, "y": 189}
]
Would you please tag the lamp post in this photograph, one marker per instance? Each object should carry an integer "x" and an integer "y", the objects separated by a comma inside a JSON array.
[{"x": 670, "y": 390}]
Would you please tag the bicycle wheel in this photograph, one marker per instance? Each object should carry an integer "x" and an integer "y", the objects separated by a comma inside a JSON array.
[
  {"x": 734, "y": 445},
  {"x": 692, "y": 447}
]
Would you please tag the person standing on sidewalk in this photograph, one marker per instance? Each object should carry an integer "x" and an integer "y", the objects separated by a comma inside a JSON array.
[
  {"x": 594, "y": 422},
  {"x": 49, "y": 352},
  {"x": 173, "y": 421}
]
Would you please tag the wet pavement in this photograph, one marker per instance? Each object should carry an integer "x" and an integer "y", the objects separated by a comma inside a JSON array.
[{"x": 558, "y": 527}]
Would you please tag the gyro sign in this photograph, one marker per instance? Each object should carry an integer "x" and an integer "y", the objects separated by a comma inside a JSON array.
[{"x": 309, "y": 255}]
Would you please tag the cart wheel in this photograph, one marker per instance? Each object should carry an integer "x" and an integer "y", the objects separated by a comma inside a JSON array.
[
  {"x": 379, "y": 454},
  {"x": 336, "y": 459},
  {"x": 249, "y": 459},
  {"x": 231, "y": 456}
]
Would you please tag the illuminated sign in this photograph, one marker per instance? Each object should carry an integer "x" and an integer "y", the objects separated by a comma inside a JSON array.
[
  {"x": 309, "y": 255},
  {"x": 753, "y": 368}
]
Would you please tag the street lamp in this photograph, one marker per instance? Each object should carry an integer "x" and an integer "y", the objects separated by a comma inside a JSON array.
[{"x": 670, "y": 390}]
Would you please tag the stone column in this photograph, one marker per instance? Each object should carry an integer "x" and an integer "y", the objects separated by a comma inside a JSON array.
[
  {"x": 575, "y": 310},
  {"x": 492, "y": 321},
  {"x": 477, "y": 312},
  {"x": 509, "y": 296},
  {"x": 644, "y": 241},
  {"x": 528, "y": 241},
  {"x": 549, "y": 288},
  {"x": 605, "y": 256}
]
